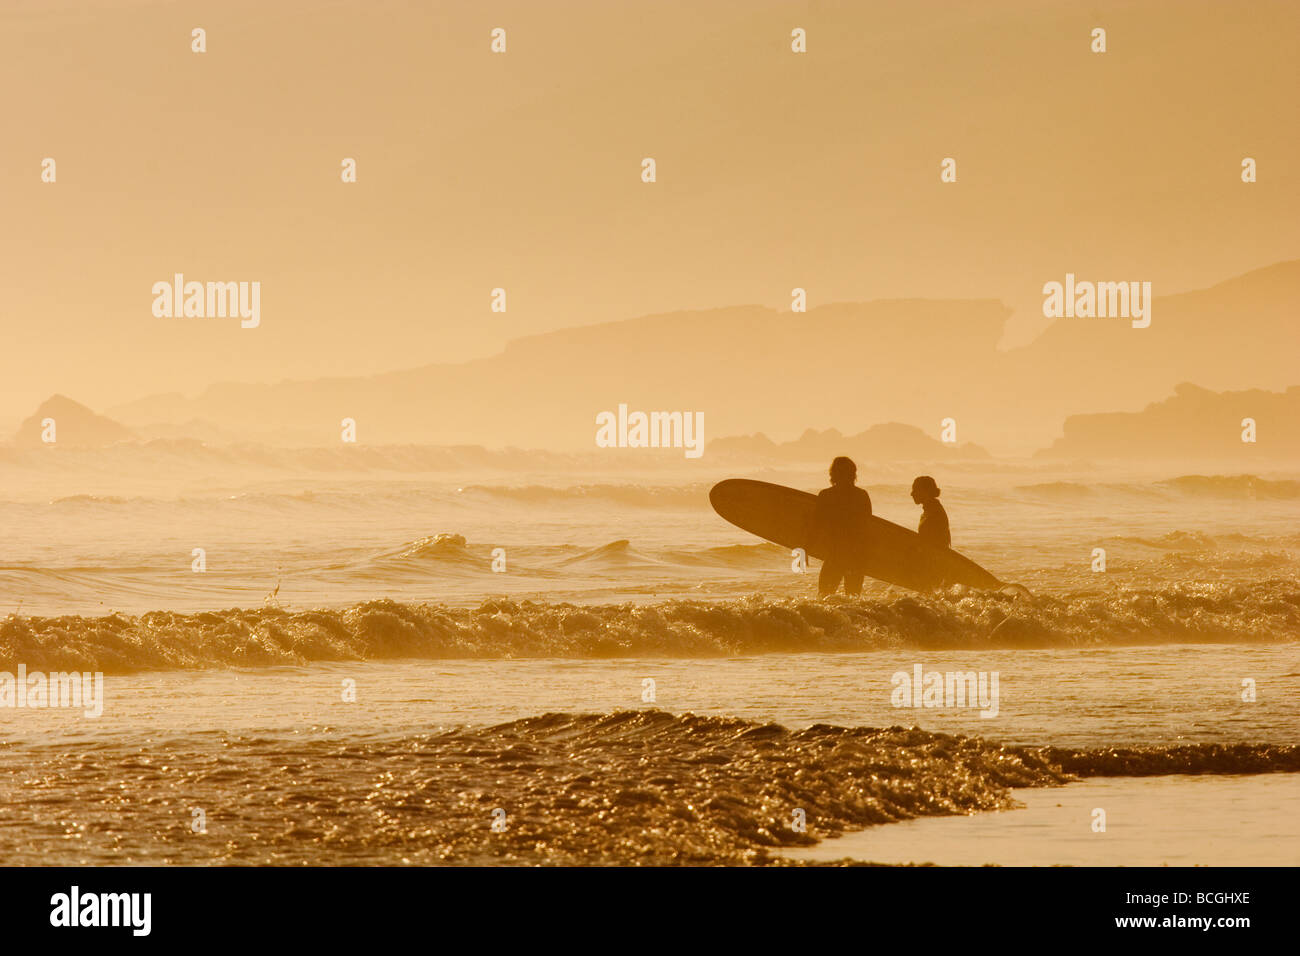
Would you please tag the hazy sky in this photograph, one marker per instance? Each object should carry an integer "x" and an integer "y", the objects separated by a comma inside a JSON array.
[{"x": 522, "y": 170}]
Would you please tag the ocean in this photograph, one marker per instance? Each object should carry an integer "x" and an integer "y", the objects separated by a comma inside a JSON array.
[{"x": 446, "y": 657}]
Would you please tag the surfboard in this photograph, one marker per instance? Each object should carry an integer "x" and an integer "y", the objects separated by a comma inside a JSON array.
[{"x": 895, "y": 554}]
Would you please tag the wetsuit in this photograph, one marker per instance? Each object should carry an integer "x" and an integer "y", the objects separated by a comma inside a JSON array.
[
  {"x": 933, "y": 528},
  {"x": 839, "y": 533}
]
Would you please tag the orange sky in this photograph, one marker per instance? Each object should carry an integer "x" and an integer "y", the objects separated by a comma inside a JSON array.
[{"x": 522, "y": 170}]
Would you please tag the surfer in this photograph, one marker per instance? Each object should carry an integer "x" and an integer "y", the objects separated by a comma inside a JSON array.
[
  {"x": 933, "y": 528},
  {"x": 839, "y": 528}
]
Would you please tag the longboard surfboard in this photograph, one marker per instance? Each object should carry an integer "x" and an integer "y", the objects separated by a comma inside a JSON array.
[{"x": 895, "y": 555}]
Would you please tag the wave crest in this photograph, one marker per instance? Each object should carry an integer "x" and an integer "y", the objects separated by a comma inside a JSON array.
[{"x": 1183, "y": 613}]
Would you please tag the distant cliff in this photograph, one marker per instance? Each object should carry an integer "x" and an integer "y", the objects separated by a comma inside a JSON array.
[
  {"x": 750, "y": 368},
  {"x": 888, "y": 442},
  {"x": 74, "y": 425},
  {"x": 1194, "y": 423}
]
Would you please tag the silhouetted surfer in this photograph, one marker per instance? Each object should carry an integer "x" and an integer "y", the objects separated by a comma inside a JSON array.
[
  {"x": 933, "y": 528},
  {"x": 839, "y": 530}
]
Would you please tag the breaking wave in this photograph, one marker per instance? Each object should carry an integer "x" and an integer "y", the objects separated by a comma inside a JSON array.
[
  {"x": 630, "y": 787},
  {"x": 1159, "y": 761},
  {"x": 1264, "y": 612}
]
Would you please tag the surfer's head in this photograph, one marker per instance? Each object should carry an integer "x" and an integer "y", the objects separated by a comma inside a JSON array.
[
  {"x": 924, "y": 489},
  {"x": 843, "y": 471}
]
